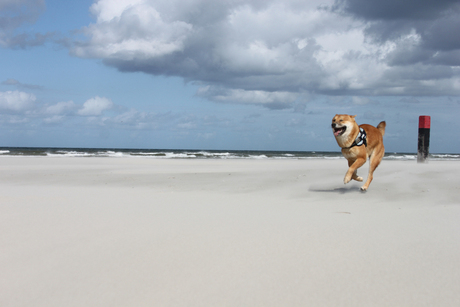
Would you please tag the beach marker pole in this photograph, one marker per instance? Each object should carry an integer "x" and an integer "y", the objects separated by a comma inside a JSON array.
[{"x": 424, "y": 123}]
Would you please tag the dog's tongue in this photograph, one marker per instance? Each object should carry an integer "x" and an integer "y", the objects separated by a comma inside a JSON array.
[{"x": 337, "y": 132}]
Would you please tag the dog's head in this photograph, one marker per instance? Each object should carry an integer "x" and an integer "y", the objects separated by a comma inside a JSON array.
[{"x": 343, "y": 124}]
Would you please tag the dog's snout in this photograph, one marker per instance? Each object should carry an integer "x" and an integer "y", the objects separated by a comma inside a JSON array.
[{"x": 333, "y": 125}]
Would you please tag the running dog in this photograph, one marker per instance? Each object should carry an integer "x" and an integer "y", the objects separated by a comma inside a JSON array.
[{"x": 359, "y": 143}]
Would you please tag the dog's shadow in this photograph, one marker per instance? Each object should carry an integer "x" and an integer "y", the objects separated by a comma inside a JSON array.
[{"x": 343, "y": 190}]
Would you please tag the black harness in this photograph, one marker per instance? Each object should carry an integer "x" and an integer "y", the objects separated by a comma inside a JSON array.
[{"x": 360, "y": 139}]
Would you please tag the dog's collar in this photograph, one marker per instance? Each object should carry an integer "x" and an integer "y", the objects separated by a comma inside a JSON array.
[{"x": 360, "y": 139}]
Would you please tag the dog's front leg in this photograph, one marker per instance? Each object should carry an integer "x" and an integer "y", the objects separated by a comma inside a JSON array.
[{"x": 353, "y": 167}]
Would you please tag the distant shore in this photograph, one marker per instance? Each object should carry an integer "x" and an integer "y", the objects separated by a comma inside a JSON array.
[{"x": 227, "y": 232}]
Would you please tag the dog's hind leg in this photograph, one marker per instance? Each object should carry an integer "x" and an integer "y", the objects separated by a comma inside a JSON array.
[{"x": 374, "y": 161}]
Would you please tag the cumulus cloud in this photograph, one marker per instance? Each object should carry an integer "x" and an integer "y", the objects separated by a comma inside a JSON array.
[
  {"x": 95, "y": 106},
  {"x": 268, "y": 52},
  {"x": 60, "y": 108},
  {"x": 16, "y": 101},
  {"x": 395, "y": 9},
  {"x": 273, "y": 100},
  {"x": 132, "y": 30},
  {"x": 423, "y": 31}
]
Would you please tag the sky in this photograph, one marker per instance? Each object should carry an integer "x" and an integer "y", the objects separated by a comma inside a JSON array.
[{"x": 226, "y": 75}]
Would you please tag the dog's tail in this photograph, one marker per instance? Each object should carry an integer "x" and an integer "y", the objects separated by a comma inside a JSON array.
[{"x": 381, "y": 126}]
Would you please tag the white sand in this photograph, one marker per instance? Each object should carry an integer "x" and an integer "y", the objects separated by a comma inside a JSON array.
[{"x": 147, "y": 232}]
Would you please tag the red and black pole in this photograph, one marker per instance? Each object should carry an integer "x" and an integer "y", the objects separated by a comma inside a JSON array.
[{"x": 424, "y": 123}]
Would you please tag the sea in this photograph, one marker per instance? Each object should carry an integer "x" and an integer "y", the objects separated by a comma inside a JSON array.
[{"x": 198, "y": 154}]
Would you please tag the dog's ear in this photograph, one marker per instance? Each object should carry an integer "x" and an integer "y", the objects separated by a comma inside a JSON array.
[{"x": 353, "y": 116}]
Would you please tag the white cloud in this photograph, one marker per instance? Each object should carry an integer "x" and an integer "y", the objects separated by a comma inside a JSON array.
[
  {"x": 254, "y": 50},
  {"x": 129, "y": 30},
  {"x": 232, "y": 43},
  {"x": 95, "y": 106},
  {"x": 60, "y": 108},
  {"x": 275, "y": 100},
  {"x": 16, "y": 101},
  {"x": 258, "y": 96}
]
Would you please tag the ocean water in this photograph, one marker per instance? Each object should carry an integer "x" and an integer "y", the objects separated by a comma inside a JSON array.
[{"x": 197, "y": 154}]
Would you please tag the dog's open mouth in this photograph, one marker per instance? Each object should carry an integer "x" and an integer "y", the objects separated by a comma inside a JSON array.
[{"x": 339, "y": 131}]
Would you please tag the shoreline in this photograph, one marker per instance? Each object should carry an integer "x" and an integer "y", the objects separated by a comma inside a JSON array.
[{"x": 201, "y": 154}]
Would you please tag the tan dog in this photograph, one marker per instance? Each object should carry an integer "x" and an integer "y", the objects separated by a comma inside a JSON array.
[{"x": 357, "y": 145}]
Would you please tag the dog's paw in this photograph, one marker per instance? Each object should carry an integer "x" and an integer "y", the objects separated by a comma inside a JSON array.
[
  {"x": 363, "y": 189},
  {"x": 358, "y": 179},
  {"x": 347, "y": 179}
]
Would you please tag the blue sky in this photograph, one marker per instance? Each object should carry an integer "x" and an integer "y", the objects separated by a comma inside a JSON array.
[{"x": 255, "y": 75}]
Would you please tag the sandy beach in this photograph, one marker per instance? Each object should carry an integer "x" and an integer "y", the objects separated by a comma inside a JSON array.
[{"x": 216, "y": 232}]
